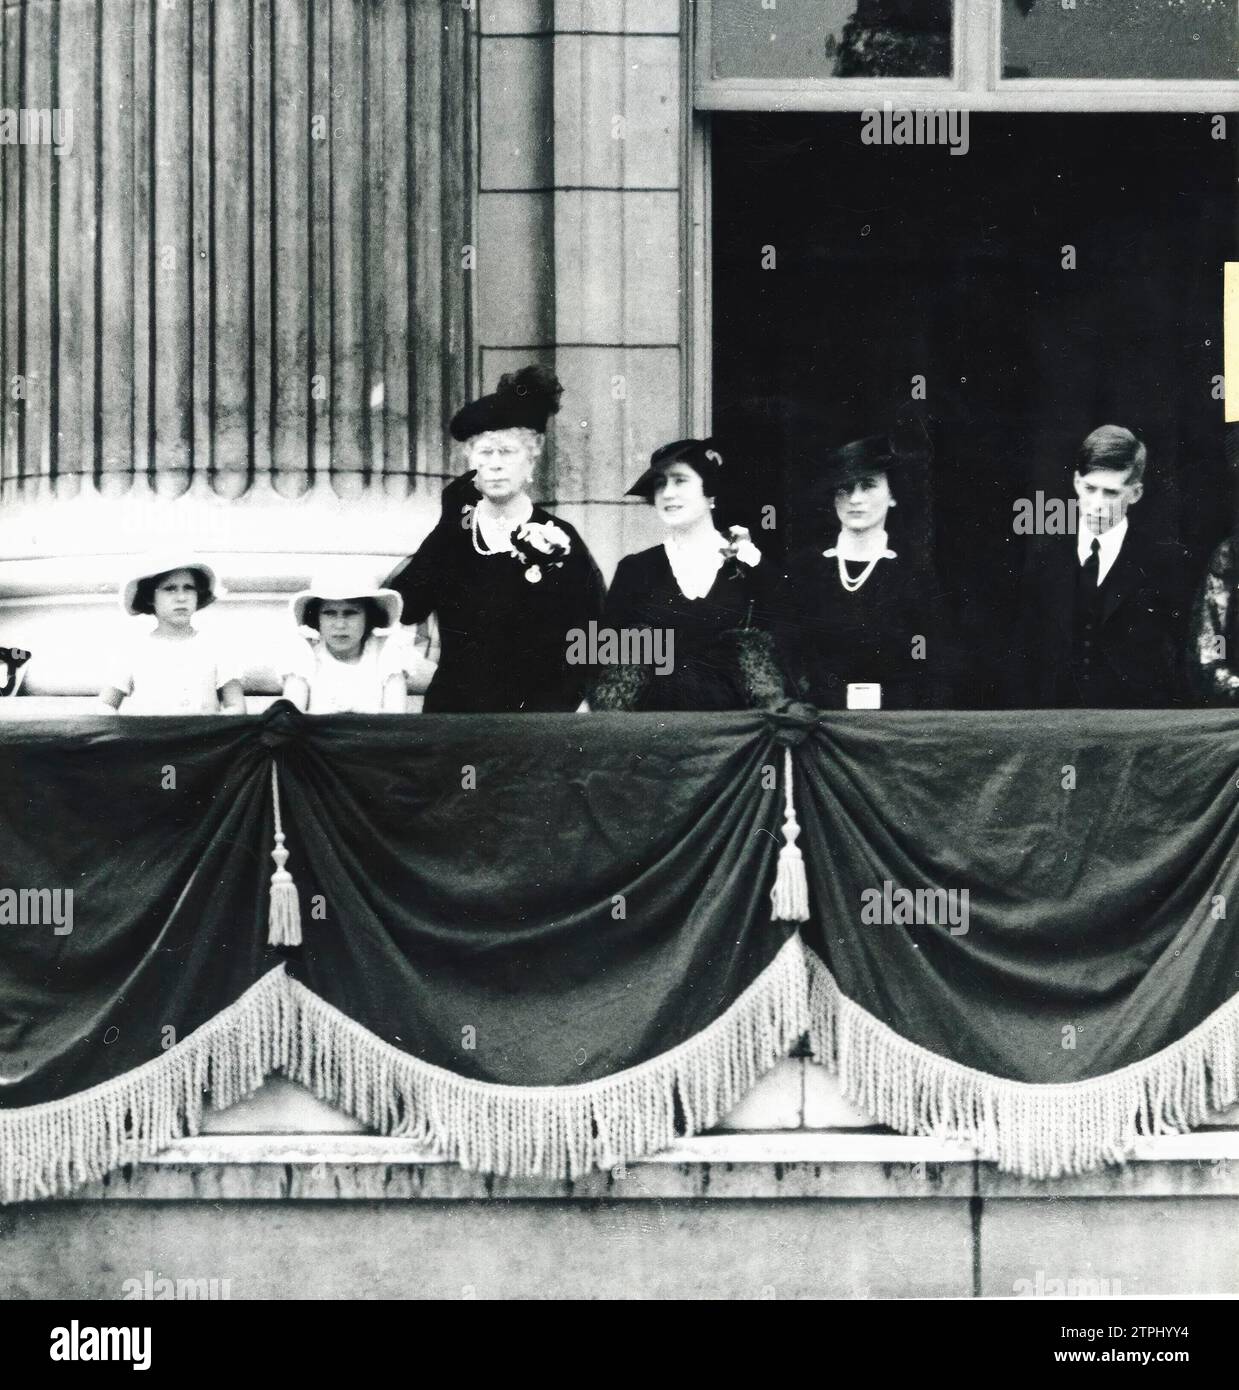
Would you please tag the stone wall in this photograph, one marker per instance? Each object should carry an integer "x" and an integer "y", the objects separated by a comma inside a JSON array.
[
  {"x": 584, "y": 107},
  {"x": 796, "y": 1196}
]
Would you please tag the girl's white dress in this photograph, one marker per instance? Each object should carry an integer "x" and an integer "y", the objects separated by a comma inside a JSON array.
[
  {"x": 341, "y": 687},
  {"x": 171, "y": 675}
]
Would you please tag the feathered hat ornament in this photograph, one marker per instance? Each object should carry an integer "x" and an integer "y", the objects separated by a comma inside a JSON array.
[{"x": 524, "y": 399}]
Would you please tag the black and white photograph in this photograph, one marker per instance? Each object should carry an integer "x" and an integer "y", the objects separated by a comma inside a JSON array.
[{"x": 619, "y": 661}]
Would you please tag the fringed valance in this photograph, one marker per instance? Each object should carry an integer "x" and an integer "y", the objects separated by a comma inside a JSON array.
[{"x": 543, "y": 944}]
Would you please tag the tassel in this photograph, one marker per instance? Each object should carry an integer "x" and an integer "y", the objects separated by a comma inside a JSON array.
[
  {"x": 284, "y": 920},
  {"x": 790, "y": 894}
]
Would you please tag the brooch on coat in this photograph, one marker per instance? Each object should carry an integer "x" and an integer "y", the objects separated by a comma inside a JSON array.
[{"x": 539, "y": 546}]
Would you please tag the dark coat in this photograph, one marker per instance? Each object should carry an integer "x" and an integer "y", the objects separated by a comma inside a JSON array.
[
  {"x": 1137, "y": 652},
  {"x": 504, "y": 641}
]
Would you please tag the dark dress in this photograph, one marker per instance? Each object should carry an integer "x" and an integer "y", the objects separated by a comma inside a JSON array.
[
  {"x": 713, "y": 665},
  {"x": 503, "y": 640},
  {"x": 831, "y": 638}
]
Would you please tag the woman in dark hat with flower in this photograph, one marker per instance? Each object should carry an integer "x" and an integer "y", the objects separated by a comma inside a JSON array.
[
  {"x": 507, "y": 580},
  {"x": 700, "y": 593},
  {"x": 859, "y": 622}
]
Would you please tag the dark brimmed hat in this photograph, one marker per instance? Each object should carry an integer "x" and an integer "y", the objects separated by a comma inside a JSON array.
[
  {"x": 862, "y": 458},
  {"x": 701, "y": 455},
  {"x": 907, "y": 444},
  {"x": 523, "y": 400}
]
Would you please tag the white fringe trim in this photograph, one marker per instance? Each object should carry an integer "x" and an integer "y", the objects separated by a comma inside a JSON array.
[
  {"x": 48, "y": 1150},
  {"x": 554, "y": 1131},
  {"x": 279, "y": 1025},
  {"x": 1039, "y": 1131}
]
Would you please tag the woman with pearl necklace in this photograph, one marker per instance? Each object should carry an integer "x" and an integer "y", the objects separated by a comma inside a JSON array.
[
  {"x": 860, "y": 624},
  {"x": 506, "y": 579}
]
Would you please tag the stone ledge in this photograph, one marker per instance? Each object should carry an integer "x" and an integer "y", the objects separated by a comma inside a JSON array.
[{"x": 762, "y": 1167}]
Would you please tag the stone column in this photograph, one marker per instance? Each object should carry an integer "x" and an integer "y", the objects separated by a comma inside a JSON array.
[
  {"x": 581, "y": 254},
  {"x": 235, "y": 308}
]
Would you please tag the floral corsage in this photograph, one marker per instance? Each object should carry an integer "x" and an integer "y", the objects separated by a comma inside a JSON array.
[
  {"x": 539, "y": 546},
  {"x": 740, "y": 549}
]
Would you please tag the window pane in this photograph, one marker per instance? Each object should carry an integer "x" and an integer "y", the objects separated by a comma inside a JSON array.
[
  {"x": 1121, "y": 38},
  {"x": 832, "y": 38}
]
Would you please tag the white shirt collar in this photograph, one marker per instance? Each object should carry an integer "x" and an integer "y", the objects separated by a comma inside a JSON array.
[{"x": 1109, "y": 544}]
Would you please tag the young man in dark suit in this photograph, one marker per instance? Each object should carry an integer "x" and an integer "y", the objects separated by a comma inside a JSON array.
[{"x": 1104, "y": 610}]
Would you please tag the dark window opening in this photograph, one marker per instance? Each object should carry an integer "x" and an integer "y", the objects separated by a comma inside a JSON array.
[{"x": 886, "y": 262}]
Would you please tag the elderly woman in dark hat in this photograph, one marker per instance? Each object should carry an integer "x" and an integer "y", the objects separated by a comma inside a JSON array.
[
  {"x": 859, "y": 623},
  {"x": 507, "y": 580},
  {"x": 698, "y": 599}
]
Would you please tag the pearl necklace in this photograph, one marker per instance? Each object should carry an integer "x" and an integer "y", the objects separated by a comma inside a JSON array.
[
  {"x": 849, "y": 584},
  {"x": 475, "y": 532}
]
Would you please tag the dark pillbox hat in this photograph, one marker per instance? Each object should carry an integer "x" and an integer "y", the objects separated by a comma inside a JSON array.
[{"x": 700, "y": 455}]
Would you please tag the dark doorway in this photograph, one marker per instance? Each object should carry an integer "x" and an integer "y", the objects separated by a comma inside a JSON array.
[{"x": 894, "y": 261}]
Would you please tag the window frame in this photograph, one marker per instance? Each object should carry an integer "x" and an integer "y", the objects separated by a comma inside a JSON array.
[{"x": 977, "y": 84}]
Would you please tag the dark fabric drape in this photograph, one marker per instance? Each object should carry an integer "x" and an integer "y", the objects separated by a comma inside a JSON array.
[
  {"x": 1097, "y": 850},
  {"x": 538, "y": 901},
  {"x": 535, "y": 901},
  {"x": 544, "y": 943},
  {"x": 159, "y": 827}
]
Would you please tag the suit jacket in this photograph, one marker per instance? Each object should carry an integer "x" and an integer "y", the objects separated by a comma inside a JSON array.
[{"x": 1138, "y": 651}]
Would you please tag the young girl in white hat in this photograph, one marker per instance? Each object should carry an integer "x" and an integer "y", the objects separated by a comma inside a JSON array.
[
  {"x": 345, "y": 663},
  {"x": 172, "y": 668}
]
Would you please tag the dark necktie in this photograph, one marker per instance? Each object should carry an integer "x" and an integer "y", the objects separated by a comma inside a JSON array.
[{"x": 1091, "y": 568}]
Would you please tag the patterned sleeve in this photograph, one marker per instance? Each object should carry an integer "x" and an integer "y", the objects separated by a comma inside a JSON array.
[{"x": 1211, "y": 660}]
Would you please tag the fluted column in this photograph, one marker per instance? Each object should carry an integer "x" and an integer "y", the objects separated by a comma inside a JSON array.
[
  {"x": 234, "y": 309},
  {"x": 246, "y": 261}
]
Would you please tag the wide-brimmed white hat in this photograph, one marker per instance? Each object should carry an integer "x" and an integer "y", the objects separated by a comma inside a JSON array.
[
  {"x": 156, "y": 565},
  {"x": 347, "y": 582}
]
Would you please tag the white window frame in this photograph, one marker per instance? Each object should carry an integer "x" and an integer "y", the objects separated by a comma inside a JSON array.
[{"x": 977, "y": 84}]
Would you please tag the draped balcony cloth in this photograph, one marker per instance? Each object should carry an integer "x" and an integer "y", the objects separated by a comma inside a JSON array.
[
  {"x": 1093, "y": 996},
  {"x": 537, "y": 943},
  {"x": 544, "y": 943}
]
